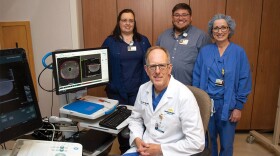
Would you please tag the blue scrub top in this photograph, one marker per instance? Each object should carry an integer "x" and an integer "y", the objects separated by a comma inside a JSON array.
[
  {"x": 215, "y": 91},
  {"x": 131, "y": 62}
]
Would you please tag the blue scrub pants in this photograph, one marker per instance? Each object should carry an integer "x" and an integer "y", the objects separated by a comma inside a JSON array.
[{"x": 224, "y": 129}]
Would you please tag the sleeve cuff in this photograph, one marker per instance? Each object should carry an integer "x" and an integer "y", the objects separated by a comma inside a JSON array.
[{"x": 239, "y": 105}]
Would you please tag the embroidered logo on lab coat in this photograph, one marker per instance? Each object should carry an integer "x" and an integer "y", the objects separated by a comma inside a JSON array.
[
  {"x": 144, "y": 103},
  {"x": 169, "y": 111}
]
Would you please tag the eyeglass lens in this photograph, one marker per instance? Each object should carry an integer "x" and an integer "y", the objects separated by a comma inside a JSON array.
[
  {"x": 127, "y": 21},
  {"x": 183, "y": 15},
  {"x": 223, "y": 29},
  {"x": 160, "y": 66}
]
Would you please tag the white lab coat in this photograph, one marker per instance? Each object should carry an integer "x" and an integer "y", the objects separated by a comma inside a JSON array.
[{"x": 181, "y": 130}]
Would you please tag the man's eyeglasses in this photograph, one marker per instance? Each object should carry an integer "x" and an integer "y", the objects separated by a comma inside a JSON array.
[
  {"x": 161, "y": 67},
  {"x": 127, "y": 21},
  {"x": 183, "y": 15},
  {"x": 223, "y": 29}
]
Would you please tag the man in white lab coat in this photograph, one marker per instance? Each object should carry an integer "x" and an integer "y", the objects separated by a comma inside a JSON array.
[{"x": 165, "y": 119}]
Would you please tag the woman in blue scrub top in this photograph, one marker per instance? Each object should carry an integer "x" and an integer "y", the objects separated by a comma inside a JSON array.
[
  {"x": 222, "y": 70},
  {"x": 127, "y": 49}
]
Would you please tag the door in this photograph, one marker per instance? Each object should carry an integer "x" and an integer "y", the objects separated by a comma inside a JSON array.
[{"x": 18, "y": 35}]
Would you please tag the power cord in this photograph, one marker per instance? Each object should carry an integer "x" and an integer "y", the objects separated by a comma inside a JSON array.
[
  {"x": 52, "y": 90},
  {"x": 53, "y": 131},
  {"x": 3, "y": 146}
]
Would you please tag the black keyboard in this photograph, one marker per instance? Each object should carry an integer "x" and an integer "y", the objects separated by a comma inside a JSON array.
[{"x": 117, "y": 117}]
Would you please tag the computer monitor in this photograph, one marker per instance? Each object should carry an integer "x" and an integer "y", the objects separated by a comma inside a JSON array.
[
  {"x": 79, "y": 69},
  {"x": 19, "y": 110}
]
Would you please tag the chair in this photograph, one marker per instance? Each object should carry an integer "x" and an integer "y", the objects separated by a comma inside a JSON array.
[{"x": 204, "y": 104}]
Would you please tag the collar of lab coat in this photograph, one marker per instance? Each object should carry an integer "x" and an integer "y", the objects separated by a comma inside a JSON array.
[{"x": 166, "y": 96}]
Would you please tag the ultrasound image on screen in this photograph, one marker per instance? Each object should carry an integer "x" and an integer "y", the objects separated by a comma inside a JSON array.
[
  {"x": 14, "y": 91},
  {"x": 19, "y": 110},
  {"x": 69, "y": 71},
  {"x": 80, "y": 69},
  {"x": 6, "y": 82},
  {"x": 91, "y": 66},
  {"x": 9, "y": 92}
]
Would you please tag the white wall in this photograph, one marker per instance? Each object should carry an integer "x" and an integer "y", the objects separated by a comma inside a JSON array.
[{"x": 55, "y": 24}]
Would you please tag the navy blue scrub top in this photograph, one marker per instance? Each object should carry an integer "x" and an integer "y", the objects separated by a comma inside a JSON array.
[{"x": 131, "y": 66}]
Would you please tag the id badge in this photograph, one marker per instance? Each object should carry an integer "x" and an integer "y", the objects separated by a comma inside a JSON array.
[
  {"x": 219, "y": 82},
  {"x": 159, "y": 126},
  {"x": 183, "y": 41},
  {"x": 131, "y": 48}
]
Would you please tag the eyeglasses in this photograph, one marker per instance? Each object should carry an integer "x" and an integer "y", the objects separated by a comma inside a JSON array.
[
  {"x": 223, "y": 29},
  {"x": 183, "y": 15},
  {"x": 127, "y": 21},
  {"x": 161, "y": 67}
]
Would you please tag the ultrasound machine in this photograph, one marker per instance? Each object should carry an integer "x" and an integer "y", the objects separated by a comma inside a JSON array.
[
  {"x": 73, "y": 70},
  {"x": 19, "y": 109},
  {"x": 81, "y": 69}
]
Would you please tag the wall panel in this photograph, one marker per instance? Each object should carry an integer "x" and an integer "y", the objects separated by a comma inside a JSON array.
[
  {"x": 268, "y": 69},
  {"x": 203, "y": 11},
  {"x": 97, "y": 25},
  {"x": 143, "y": 13},
  {"x": 162, "y": 16},
  {"x": 247, "y": 15},
  {"x": 97, "y": 22}
]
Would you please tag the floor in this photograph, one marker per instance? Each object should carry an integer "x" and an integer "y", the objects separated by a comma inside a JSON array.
[{"x": 241, "y": 147}]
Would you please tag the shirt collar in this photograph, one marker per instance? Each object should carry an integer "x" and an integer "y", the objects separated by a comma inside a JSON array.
[{"x": 185, "y": 31}]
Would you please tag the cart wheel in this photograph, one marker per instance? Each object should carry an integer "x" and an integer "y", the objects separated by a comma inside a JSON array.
[{"x": 250, "y": 139}]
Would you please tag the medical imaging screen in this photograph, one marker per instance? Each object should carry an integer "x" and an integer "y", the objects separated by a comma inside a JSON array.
[
  {"x": 16, "y": 97},
  {"x": 19, "y": 109},
  {"x": 79, "y": 69}
]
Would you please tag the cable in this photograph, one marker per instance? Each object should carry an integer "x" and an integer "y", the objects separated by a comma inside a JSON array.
[
  {"x": 67, "y": 97},
  {"x": 52, "y": 97},
  {"x": 53, "y": 130},
  {"x": 49, "y": 67},
  {"x": 40, "y": 77},
  {"x": 4, "y": 146},
  {"x": 44, "y": 61},
  {"x": 77, "y": 127}
]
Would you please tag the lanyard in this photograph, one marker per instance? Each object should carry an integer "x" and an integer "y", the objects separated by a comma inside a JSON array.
[
  {"x": 158, "y": 98},
  {"x": 217, "y": 60}
]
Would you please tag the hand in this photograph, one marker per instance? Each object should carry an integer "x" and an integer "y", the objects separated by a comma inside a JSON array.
[
  {"x": 141, "y": 147},
  {"x": 235, "y": 115},
  {"x": 154, "y": 150}
]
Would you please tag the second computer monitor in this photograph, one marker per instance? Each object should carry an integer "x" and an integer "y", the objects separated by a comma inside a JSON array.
[{"x": 79, "y": 69}]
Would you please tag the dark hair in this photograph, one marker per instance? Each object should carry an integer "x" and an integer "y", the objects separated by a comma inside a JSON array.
[
  {"x": 182, "y": 6},
  {"x": 228, "y": 19},
  {"x": 117, "y": 31}
]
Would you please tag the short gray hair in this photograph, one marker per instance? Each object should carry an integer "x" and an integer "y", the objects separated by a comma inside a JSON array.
[
  {"x": 228, "y": 19},
  {"x": 156, "y": 47}
]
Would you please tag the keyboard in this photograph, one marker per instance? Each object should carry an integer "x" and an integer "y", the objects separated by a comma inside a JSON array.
[{"x": 116, "y": 118}]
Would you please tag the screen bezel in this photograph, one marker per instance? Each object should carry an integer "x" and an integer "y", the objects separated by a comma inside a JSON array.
[
  {"x": 18, "y": 130},
  {"x": 55, "y": 70}
]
